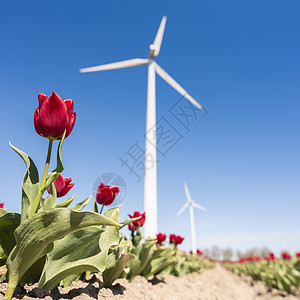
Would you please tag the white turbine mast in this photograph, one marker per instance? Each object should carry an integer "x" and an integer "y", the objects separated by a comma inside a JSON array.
[
  {"x": 150, "y": 180},
  {"x": 191, "y": 204}
]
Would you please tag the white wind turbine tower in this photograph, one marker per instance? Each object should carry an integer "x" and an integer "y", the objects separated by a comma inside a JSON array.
[
  {"x": 150, "y": 176},
  {"x": 191, "y": 204}
]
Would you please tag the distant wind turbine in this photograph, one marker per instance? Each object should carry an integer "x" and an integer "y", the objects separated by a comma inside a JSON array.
[
  {"x": 191, "y": 204},
  {"x": 150, "y": 180}
]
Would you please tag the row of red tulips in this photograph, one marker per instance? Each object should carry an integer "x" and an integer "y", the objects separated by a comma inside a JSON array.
[
  {"x": 280, "y": 273},
  {"x": 271, "y": 257}
]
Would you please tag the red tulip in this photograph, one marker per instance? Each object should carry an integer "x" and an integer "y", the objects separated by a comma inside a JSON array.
[
  {"x": 140, "y": 222},
  {"x": 286, "y": 255},
  {"x": 176, "y": 239},
  {"x": 298, "y": 254},
  {"x": 62, "y": 186},
  {"x": 160, "y": 238},
  {"x": 271, "y": 256},
  {"x": 179, "y": 240},
  {"x": 172, "y": 238},
  {"x": 53, "y": 116},
  {"x": 106, "y": 194},
  {"x": 1, "y": 205},
  {"x": 199, "y": 252}
]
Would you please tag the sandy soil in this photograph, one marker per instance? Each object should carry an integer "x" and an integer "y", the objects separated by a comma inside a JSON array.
[{"x": 213, "y": 284}]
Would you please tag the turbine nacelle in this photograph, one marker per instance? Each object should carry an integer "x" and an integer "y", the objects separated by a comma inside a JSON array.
[{"x": 152, "y": 48}]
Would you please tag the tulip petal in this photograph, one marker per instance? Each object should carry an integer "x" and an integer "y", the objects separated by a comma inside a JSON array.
[
  {"x": 36, "y": 120},
  {"x": 70, "y": 106},
  {"x": 66, "y": 189},
  {"x": 59, "y": 183},
  {"x": 42, "y": 97},
  {"x": 98, "y": 194},
  {"x": 67, "y": 181},
  {"x": 71, "y": 124}
]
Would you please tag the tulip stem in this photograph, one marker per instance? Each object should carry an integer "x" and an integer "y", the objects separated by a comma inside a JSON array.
[
  {"x": 43, "y": 181},
  {"x": 101, "y": 209}
]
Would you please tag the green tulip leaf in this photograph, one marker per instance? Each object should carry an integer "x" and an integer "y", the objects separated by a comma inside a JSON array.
[
  {"x": 95, "y": 207},
  {"x": 157, "y": 265},
  {"x": 35, "y": 236},
  {"x": 49, "y": 202},
  {"x": 66, "y": 203},
  {"x": 111, "y": 235},
  {"x": 2, "y": 211},
  {"x": 117, "y": 262},
  {"x": 76, "y": 253},
  {"x": 33, "y": 274},
  {"x": 68, "y": 280},
  {"x": 30, "y": 185},
  {"x": 80, "y": 251},
  {"x": 143, "y": 253},
  {"x": 81, "y": 205},
  {"x": 8, "y": 224},
  {"x": 3, "y": 257},
  {"x": 162, "y": 258},
  {"x": 126, "y": 222}
]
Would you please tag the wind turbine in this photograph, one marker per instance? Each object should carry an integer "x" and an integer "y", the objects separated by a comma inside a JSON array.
[
  {"x": 191, "y": 204},
  {"x": 150, "y": 166}
]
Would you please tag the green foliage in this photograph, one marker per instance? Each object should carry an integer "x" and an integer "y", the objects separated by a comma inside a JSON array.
[
  {"x": 83, "y": 204},
  {"x": 143, "y": 253},
  {"x": 280, "y": 274},
  {"x": 30, "y": 184},
  {"x": 8, "y": 223},
  {"x": 116, "y": 263},
  {"x": 35, "y": 237},
  {"x": 162, "y": 258},
  {"x": 66, "y": 203}
]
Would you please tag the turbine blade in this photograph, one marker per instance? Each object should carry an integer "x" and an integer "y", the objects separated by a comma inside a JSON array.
[
  {"x": 199, "y": 206},
  {"x": 183, "y": 208},
  {"x": 159, "y": 35},
  {"x": 187, "y": 193},
  {"x": 164, "y": 75},
  {"x": 117, "y": 65}
]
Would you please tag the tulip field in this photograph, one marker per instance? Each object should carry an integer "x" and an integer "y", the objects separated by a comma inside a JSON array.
[
  {"x": 282, "y": 274},
  {"x": 54, "y": 243},
  {"x": 51, "y": 244}
]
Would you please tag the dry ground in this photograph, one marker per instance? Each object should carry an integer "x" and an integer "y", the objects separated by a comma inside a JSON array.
[{"x": 213, "y": 284}]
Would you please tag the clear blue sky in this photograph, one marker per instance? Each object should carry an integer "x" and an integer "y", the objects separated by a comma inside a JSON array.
[{"x": 240, "y": 59}]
